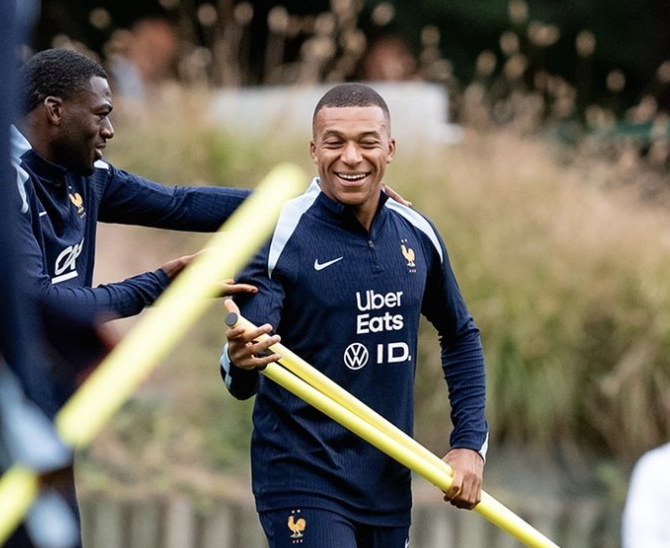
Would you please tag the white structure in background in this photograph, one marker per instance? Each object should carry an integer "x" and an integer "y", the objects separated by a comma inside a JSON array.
[{"x": 419, "y": 110}]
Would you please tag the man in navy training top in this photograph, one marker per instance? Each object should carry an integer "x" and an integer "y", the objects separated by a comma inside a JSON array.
[
  {"x": 345, "y": 279},
  {"x": 62, "y": 188}
]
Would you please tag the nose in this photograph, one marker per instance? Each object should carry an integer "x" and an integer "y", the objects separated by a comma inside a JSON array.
[
  {"x": 351, "y": 155},
  {"x": 107, "y": 129}
]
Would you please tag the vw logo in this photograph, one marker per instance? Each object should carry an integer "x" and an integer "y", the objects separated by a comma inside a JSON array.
[{"x": 356, "y": 356}]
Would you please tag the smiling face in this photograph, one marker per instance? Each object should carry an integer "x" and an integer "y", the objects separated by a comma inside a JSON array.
[
  {"x": 83, "y": 126},
  {"x": 351, "y": 147}
]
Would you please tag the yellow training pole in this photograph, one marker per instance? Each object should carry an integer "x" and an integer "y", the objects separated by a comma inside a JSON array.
[
  {"x": 178, "y": 308},
  {"x": 327, "y": 386},
  {"x": 321, "y": 392},
  {"x": 18, "y": 488},
  {"x": 166, "y": 322}
]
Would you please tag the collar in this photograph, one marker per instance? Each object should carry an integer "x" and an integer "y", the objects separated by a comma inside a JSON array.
[
  {"x": 343, "y": 214},
  {"x": 20, "y": 144},
  {"x": 23, "y": 151}
]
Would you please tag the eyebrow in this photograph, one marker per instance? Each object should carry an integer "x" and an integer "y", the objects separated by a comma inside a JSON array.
[{"x": 336, "y": 133}]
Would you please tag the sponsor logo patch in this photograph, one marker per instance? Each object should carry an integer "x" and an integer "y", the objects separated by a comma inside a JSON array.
[
  {"x": 356, "y": 356},
  {"x": 320, "y": 266}
]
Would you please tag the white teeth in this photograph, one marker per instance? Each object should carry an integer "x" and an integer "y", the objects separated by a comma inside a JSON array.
[{"x": 350, "y": 177}]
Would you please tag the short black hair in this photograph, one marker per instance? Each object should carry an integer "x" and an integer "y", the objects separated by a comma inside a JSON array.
[
  {"x": 352, "y": 95},
  {"x": 58, "y": 72}
]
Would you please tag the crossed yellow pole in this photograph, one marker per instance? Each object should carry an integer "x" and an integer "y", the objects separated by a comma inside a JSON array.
[
  {"x": 312, "y": 386},
  {"x": 157, "y": 332}
]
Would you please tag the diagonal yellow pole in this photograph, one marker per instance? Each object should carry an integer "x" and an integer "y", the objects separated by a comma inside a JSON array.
[
  {"x": 18, "y": 488},
  {"x": 315, "y": 388},
  {"x": 158, "y": 331}
]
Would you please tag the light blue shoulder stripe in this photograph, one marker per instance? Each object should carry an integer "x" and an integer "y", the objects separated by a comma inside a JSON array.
[
  {"x": 289, "y": 218},
  {"x": 19, "y": 146},
  {"x": 419, "y": 222}
]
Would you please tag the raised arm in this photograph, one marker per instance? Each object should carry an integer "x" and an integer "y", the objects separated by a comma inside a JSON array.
[{"x": 129, "y": 199}]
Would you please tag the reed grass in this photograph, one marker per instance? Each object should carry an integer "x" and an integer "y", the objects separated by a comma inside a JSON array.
[
  {"x": 561, "y": 252},
  {"x": 564, "y": 272}
]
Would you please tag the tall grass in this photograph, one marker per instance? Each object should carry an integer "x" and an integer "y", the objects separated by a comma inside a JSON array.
[
  {"x": 567, "y": 282},
  {"x": 565, "y": 275}
]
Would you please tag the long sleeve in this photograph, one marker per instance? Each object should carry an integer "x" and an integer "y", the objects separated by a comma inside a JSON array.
[
  {"x": 129, "y": 199},
  {"x": 462, "y": 356},
  {"x": 118, "y": 299}
]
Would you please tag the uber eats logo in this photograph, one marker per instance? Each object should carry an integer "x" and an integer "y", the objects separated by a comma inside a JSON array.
[
  {"x": 373, "y": 321},
  {"x": 376, "y": 316}
]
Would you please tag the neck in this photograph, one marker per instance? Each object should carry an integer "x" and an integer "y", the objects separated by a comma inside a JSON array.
[
  {"x": 28, "y": 126},
  {"x": 365, "y": 213}
]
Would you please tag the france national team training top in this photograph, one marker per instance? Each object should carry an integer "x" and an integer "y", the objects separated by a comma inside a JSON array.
[
  {"x": 58, "y": 221},
  {"x": 348, "y": 301}
]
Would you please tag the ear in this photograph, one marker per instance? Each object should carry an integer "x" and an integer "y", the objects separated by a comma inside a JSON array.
[
  {"x": 391, "y": 150},
  {"x": 312, "y": 151},
  {"x": 54, "y": 109}
]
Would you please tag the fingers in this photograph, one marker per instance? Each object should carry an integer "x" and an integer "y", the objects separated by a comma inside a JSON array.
[
  {"x": 454, "y": 491},
  {"x": 395, "y": 196},
  {"x": 230, "y": 306},
  {"x": 251, "y": 349},
  {"x": 463, "y": 494},
  {"x": 468, "y": 469},
  {"x": 229, "y": 287},
  {"x": 175, "y": 266}
]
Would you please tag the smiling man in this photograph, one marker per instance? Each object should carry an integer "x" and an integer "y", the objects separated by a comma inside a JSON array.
[
  {"x": 345, "y": 279},
  {"x": 351, "y": 147}
]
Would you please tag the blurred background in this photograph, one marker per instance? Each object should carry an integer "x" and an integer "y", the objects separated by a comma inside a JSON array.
[{"x": 535, "y": 134}]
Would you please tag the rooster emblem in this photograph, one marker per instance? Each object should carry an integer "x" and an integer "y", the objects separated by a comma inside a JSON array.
[
  {"x": 77, "y": 201},
  {"x": 297, "y": 527},
  {"x": 408, "y": 253}
]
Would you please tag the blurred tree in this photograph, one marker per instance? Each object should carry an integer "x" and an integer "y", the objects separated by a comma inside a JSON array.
[{"x": 633, "y": 38}]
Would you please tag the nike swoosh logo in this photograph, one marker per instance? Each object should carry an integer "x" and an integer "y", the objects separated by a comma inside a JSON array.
[{"x": 321, "y": 266}]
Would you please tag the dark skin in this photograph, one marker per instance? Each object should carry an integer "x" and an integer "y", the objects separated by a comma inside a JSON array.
[
  {"x": 73, "y": 133},
  {"x": 351, "y": 147}
]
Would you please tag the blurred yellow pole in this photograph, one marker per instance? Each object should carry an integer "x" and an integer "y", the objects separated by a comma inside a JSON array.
[
  {"x": 178, "y": 308},
  {"x": 162, "y": 326},
  {"x": 18, "y": 489},
  {"x": 315, "y": 388}
]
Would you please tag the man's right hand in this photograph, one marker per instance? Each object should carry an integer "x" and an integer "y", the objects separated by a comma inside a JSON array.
[
  {"x": 228, "y": 287},
  {"x": 244, "y": 351},
  {"x": 175, "y": 266}
]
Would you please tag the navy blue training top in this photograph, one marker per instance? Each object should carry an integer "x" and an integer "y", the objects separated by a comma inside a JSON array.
[
  {"x": 56, "y": 236},
  {"x": 60, "y": 215},
  {"x": 349, "y": 302}
]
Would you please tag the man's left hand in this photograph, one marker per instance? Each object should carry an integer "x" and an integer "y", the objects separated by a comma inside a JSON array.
[
  {"x": 229, "y": 287},
  {"x": 466, "y": 485},
  {"x": 395, "y": 196}
]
